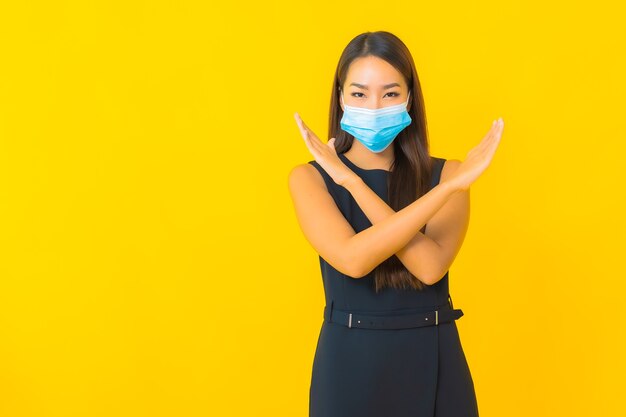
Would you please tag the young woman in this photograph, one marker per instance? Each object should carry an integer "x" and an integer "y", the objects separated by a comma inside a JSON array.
[{"x": 387, "y": 220}]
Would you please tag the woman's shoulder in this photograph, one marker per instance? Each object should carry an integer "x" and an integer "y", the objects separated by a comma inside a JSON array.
[
  {"x": 448, "y": 166},
  {"x": 306, "y": 170},
  {"x": 306, "y": 175}
]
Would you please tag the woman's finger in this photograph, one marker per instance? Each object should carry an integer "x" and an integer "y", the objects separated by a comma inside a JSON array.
[
  {"x": 486, "y": 143},
  {"x": 494, "y": 136},
  {"x": 311, "y": 140},
  {"x": 304, "y": 129},
  {"x": 306, "y": 135},
  {"x": 496, "y": 139},
  {"x": 312, "y": 135},
  {"x": 314, "y": 141},
  {"x": 491, "y": 135},
  {"x": 299, "y": 122}
]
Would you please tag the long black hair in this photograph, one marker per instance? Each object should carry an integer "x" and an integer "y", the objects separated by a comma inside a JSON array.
[{"x": 411, "y": 169}]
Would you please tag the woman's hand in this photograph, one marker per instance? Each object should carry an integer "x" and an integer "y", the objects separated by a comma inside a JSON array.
[
  {"x": 325, "y": 155},
  {"x": 478, "y": 159}
]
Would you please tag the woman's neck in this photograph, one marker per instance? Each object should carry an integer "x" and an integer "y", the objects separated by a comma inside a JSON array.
[{"x": 366, "y": 159}]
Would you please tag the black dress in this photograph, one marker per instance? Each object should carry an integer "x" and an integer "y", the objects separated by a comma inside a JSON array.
[{"x": 385, "y": 372}]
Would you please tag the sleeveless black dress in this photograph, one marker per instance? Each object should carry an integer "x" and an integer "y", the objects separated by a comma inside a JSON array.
[{"x": 382, "y": 372}]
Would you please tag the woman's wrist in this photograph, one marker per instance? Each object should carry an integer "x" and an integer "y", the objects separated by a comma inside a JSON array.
[
  {"x": 450, "y": 187},
  {"x": 351, "y": 181}
]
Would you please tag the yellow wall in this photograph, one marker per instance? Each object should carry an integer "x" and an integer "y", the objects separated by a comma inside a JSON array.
[{"x": 150, "y": 260}]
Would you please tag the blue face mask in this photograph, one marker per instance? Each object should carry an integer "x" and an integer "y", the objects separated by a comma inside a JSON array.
[{"x": 375, "y": 128}]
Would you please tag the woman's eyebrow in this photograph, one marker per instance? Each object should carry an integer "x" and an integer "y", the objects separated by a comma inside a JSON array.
[{"x": 386, "y": 86}]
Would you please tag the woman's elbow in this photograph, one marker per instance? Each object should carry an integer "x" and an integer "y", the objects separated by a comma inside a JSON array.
[
  {"x": 353, "y": 271},
  {"x": 432, "y": 278},
  {"x": 353, "y": 267}
]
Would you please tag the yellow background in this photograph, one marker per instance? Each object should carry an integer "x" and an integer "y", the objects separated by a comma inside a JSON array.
[{"x": 150, "y": 260}]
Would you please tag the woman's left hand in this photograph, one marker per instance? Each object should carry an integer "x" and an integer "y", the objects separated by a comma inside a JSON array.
[{"x": 325, "y": 155}]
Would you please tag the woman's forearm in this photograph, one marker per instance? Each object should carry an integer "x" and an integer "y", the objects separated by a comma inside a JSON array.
[
  {"x": 419, "y": 255},
  {"x": 390, "y": 231}
]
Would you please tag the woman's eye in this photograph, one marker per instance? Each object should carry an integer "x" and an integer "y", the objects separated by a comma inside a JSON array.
[{"x": 393, "y": 92}]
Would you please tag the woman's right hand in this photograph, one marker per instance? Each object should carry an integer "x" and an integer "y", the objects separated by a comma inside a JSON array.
[
  {"x": 325, "y": 154},
  {"x": 478, "y": 159}
]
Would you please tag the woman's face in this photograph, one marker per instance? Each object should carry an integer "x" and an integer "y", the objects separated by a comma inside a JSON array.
[{"x": 373, "y": 83}]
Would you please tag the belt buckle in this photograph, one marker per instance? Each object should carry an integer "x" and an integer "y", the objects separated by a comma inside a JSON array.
[{"x": 436, "y": 317}]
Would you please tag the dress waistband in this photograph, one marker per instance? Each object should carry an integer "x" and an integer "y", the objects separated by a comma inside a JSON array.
[{"x": 388, "y": 320}]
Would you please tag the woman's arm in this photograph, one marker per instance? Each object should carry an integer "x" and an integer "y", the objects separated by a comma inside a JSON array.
[
  {"x": 427, "y": 257},
  {"x": 356, "y": 254}
]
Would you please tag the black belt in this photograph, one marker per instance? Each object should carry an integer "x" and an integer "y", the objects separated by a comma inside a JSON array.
[{"x": 440, "y": 314}]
